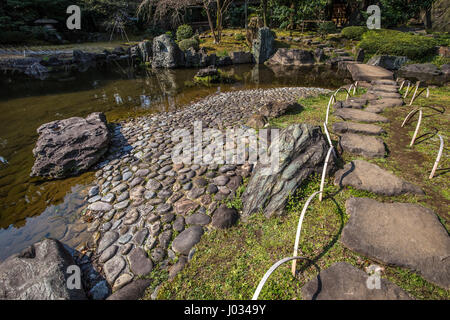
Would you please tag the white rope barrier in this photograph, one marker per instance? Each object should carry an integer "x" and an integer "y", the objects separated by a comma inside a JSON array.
[
  {"x": 269, "y": 272},
  {"x": 417, "y": 128},
  {"x": 438, "y": 158},
  {"x": 299, "y": 229}
]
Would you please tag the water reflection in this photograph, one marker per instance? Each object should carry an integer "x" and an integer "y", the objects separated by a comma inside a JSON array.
[{"x": 26, "y": 205}]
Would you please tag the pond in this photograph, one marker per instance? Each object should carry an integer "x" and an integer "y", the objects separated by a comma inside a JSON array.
[{"x": 30, "y": 208}]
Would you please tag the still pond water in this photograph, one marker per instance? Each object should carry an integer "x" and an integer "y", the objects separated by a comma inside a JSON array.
[{"x": 31, "y": 209}]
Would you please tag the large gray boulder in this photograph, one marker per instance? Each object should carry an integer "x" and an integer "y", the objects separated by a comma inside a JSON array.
[
  {"x": 302, "y": 151},
  {"x": 342, "y": 281},
  {"x": 292, "y": 57},
  {"x": 428, "y": 73},
  {"x": 363, "y": 175},
  {"x": 38, "y": 273},
  {"x": 241, "y": 57},
  {"x": 143, "y": 51},
  {"x": 399, "y": 234},
  {"x": 388, "y": 62},
  {"x": 166, "y": 53},
  {"x": 198, "y": 58},
  {"x": 71, "y": 146},
  {"x": 263, "y": 45}
]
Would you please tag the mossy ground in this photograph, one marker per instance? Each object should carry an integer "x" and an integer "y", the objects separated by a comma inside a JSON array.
[{"x": 229, "y": 264}]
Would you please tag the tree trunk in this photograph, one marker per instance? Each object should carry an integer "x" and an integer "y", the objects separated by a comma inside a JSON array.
[
  {"x": 291, "y": 18},
  {"x": 264, "y": 4},
  {"x": 210, "y": 22}
]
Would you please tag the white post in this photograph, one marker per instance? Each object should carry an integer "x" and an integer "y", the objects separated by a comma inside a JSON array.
[{"x": 438, "y": 158}]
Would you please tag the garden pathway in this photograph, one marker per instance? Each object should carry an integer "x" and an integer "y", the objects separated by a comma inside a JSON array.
[{"x": 397, "y": 234}]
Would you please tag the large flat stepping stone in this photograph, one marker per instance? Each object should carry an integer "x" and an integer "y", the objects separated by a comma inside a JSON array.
[
  {"x": 366, "y": 146},
  {"x": 356, "y": 103},
  {"x": 359, "y": 115},
  {"x": 383, "y": 94},
  {"x": 400, "y": 234},
  {"x": 363, "y": 175},
  {"x": 354, "y": 127},
  {"x": 343, "y": 281},
  {"x": 384, "y": 88},
  {"x": 365, "y": 72},
  {"x": 379, "y": 106},
  {"x": 385, "y": 83}
]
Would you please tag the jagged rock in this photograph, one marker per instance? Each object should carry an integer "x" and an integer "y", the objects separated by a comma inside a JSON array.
[
  {"x": 359, "y": 115},
  {"x": 364, "y": 72},
  {"x": 388, "y": 62},
  {"x": 342, "y": 281},
  {"x": 198, "y": 58},
  {"x": 71, "y": 146},
  {"x": 38, "y": 273},
  {"x": 302, "y": 151},
  {"x": 241, "y": 57},
  {"x": 166, "y": 53},
  {"x": 400, "y": 234},
  {"x": 366, "y": 146},
  {"x": 292, "y": 57},
  {"x": 263, "y": 45},
  {"x": 353, "y": 127},
  {"x": 363, "y": 175}
]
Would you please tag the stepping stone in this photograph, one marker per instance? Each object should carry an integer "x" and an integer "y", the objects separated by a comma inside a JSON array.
[
  {"x": 366, "y": 146},
  {"x": 384, "y": 88},
  {"x": 379, "y": 106},
  {"x": 355, "y": 103},
  {"x": 363, "y": 175},
  {"x": 385, "y": 82},
  {"x": 342, "y": 281},
  {"x": 400, "y": 234},
  {"x": 359, "y": 115},
  {"x": 365, "y": 72},
  {"x": 354, "y": 127},
  {"x": 383, "y": 94}
]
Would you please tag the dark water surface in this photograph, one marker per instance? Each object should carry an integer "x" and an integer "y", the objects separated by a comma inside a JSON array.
[{"x": 31, "y": 209}]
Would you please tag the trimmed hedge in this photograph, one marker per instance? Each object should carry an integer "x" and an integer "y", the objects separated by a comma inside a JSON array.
[
  {"x": 188, "y": 43},
  {"x": 184, "y": 32},
  {"x": 354, "y": 32},
  {"x": 325, "y": 28},
  {"x": 397, "y": 43}
]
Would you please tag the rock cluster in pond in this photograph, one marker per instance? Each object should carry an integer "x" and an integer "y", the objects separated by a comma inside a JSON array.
[
  {"x": 263, "y": 46},
  {"x": 302, "y": 151},
  {"x": 38, "y": 273},
  {"x": 71, "y": 146},
  {"x": 400, "y": 234},
  {"x": 292, "y": 57},
  {"x": 166, "y": 53},
  {"x": 342, "y": 281},
  {"x": 363, "y": 175}
]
